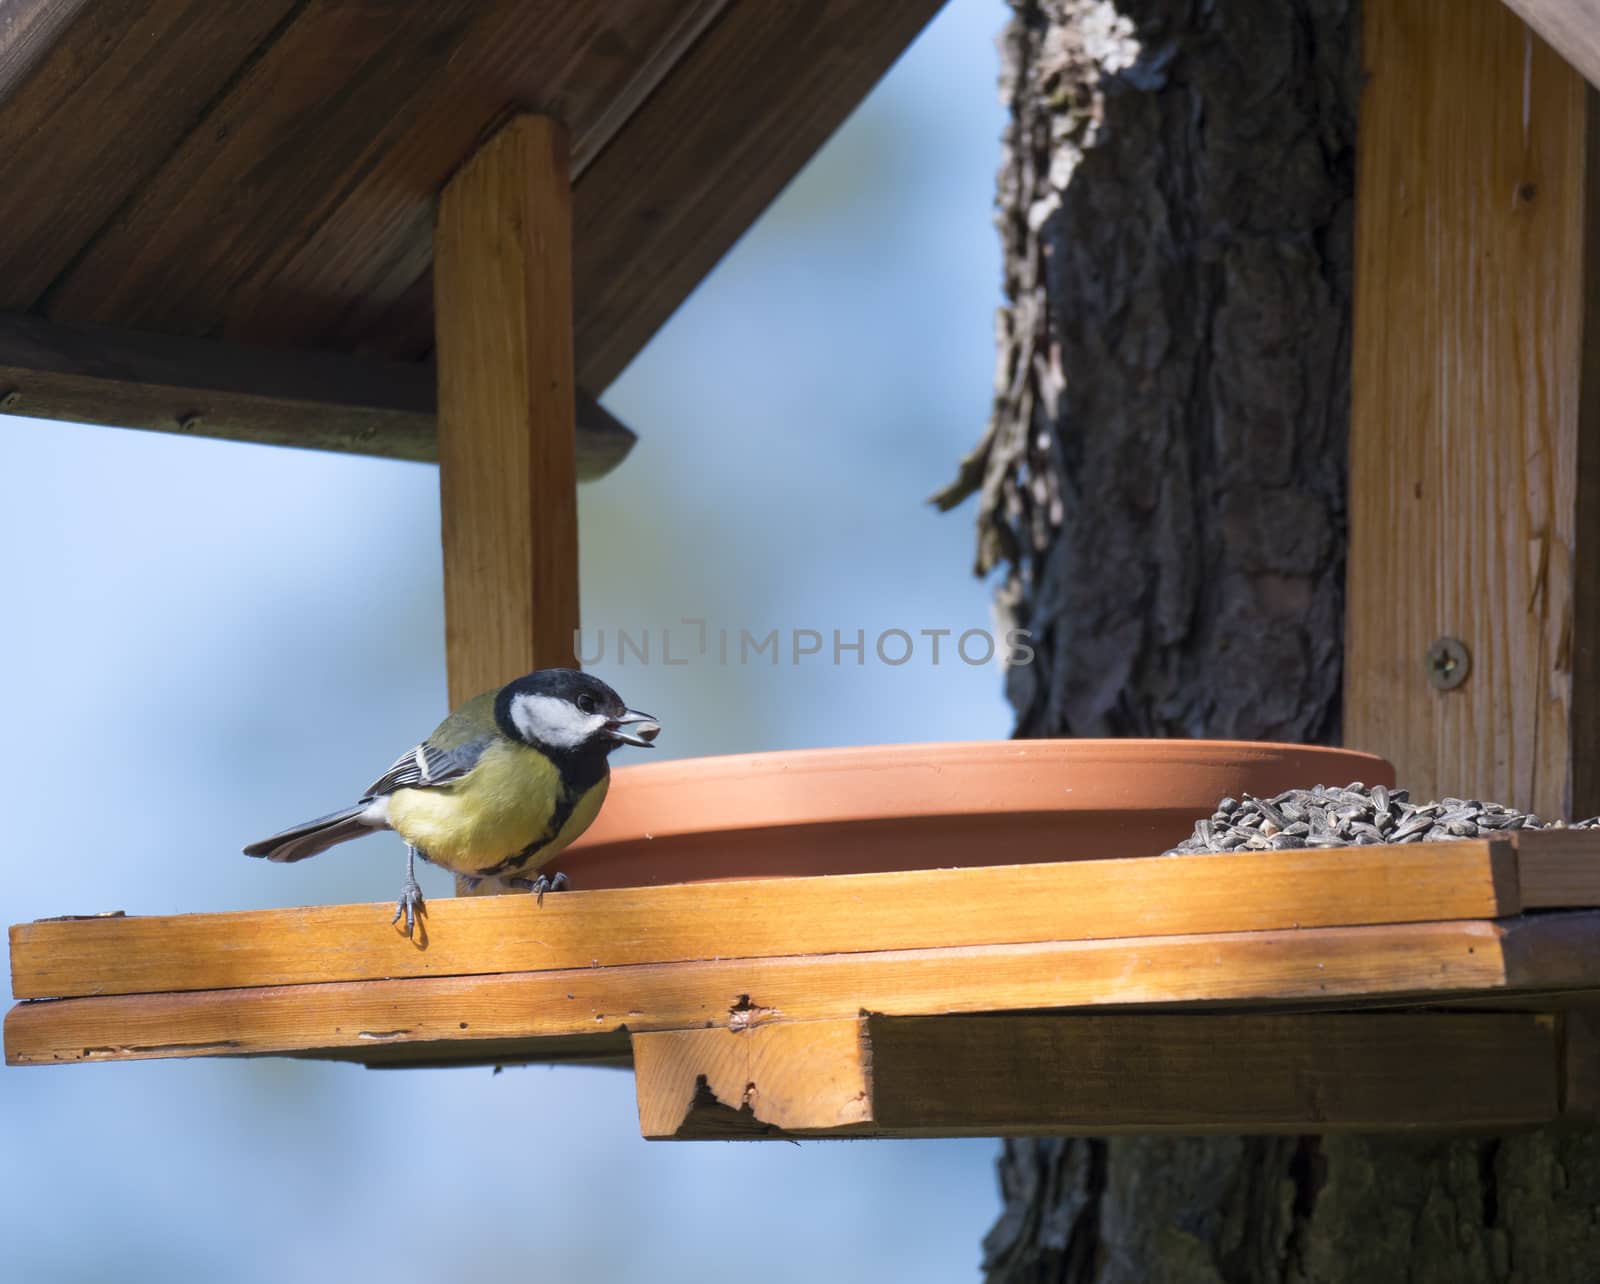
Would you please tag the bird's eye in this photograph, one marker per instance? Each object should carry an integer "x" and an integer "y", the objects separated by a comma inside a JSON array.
[{"x": 586, "y": 704}]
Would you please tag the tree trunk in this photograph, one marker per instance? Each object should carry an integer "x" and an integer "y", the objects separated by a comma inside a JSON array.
[{"x": 1163, "y": 482}]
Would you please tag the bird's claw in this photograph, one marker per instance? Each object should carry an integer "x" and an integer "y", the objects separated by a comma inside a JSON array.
[
  {"x": 539, "y": 886},
  {"x": 410, "y": 904}
]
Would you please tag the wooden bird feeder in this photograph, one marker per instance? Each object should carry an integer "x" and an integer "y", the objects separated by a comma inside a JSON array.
[{"x": 315, "y": 225}]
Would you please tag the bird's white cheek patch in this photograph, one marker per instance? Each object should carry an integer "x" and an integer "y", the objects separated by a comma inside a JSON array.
[{"x": 557, "y": 723}]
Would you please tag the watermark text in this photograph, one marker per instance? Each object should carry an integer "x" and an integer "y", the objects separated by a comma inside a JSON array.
[{"x": 696, "y": 641}]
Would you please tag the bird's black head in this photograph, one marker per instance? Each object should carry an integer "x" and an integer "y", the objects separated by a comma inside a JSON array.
[{"x": 566, "y": 712}]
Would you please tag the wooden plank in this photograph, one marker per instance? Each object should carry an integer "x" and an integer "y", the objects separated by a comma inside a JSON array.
[
  {"x": 316, "y": 400},
  {"x": 1126, "y": 1073},
  {"x": 456, "y": 1018},
  {"x": 1075, "y": 900},
  {"x": 1580, "y": 1078},
  {"x": 507, "y": 478},
  {"x": 784, "y": 1078},
  {"x": 748, "y": 105},
  {"x": 1559, "y": 868},
  {"x": 394, "y": 311},
  {"x": 1218, "y": 1073},
  {"x": 1570, "y": 27},
  {"x": 93, "y": 97},
  {"x": 610, "y": 1050},
  {"x": 28, "y": 30},
  {"x": 306, "y": 193},
  {"x": 1585, "y": 726},
  {"x": 1473, "y": 413}
]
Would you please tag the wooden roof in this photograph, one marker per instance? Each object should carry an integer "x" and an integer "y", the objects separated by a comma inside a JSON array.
[{"x": 265, "y": 171}]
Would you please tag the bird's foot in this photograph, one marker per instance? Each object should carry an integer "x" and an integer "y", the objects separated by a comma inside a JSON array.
[
  {"x": 539, "y": 886},
  {"x": 410, "y": 904}
]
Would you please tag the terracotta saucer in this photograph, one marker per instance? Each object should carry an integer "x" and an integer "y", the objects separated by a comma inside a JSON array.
[{"x": 1006, "y": 802}]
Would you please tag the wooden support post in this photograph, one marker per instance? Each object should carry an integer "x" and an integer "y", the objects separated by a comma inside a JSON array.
[
  {"x": 1063, "y": 1073},
  {"x": 1475, "y": 416},
  {"x": 507, "y": 474}
]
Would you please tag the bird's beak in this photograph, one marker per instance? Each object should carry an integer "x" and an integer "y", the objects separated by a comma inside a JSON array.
[{"x": 633, "y": 728}]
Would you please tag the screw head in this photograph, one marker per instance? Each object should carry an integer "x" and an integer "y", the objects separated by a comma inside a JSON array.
[{"x": 1448, "y": 663}]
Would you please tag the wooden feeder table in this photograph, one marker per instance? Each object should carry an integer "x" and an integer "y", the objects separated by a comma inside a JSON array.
[
  {"x": 315, "y": 225},
  {"x": 1422, "y": 985}
]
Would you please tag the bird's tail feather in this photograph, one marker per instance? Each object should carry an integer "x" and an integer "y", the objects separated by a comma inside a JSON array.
[{"x": 313, "y": 836}]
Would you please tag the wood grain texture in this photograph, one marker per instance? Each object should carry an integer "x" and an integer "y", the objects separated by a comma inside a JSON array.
[
  {"x": 1266, "y": 1073},
  {"x": 743, "y": 111},
  {"x": 93, "y": 99},
  {"x": 1570, "y": 27},
  {"x": 507, "y": 473},
  {"x": 1580, "y": 1081},
  {"x": 1558, "y": 868},
  {"x": 28, "y": 31},
  {"x": 785, "y": 1078},
  {"x": 303, "y": 203},
  {"x": 382, "y": 274},
  {"x": 1472, "y": 333},
  {"x": 316, "y": 400},
  {"x": 1584, "y": 728},
  {"x": 510, "y": 1015},
  {"x": 1096, "y": 1075},
  {"x": 269, "y": 176},
  {"x": 925, "y": 909}
]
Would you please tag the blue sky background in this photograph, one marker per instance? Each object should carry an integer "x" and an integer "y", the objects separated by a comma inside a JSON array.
[{"x": 226, "y": 639}]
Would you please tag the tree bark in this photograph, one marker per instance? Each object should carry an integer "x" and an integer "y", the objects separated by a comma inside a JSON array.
[{"x": 1162, "y": 483}]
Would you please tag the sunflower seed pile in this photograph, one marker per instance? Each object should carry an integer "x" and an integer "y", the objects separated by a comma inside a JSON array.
[{"x": 1354, "y": 816}]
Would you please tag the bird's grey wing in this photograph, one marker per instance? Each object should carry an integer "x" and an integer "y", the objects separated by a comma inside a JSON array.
[{"x": 428, "y": 766}]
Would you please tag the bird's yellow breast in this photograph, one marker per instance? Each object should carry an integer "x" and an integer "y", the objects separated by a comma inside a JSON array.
[{"x": 508, "y": 801}]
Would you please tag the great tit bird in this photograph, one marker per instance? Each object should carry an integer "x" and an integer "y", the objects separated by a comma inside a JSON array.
[{"x": 501, "y": 786}]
